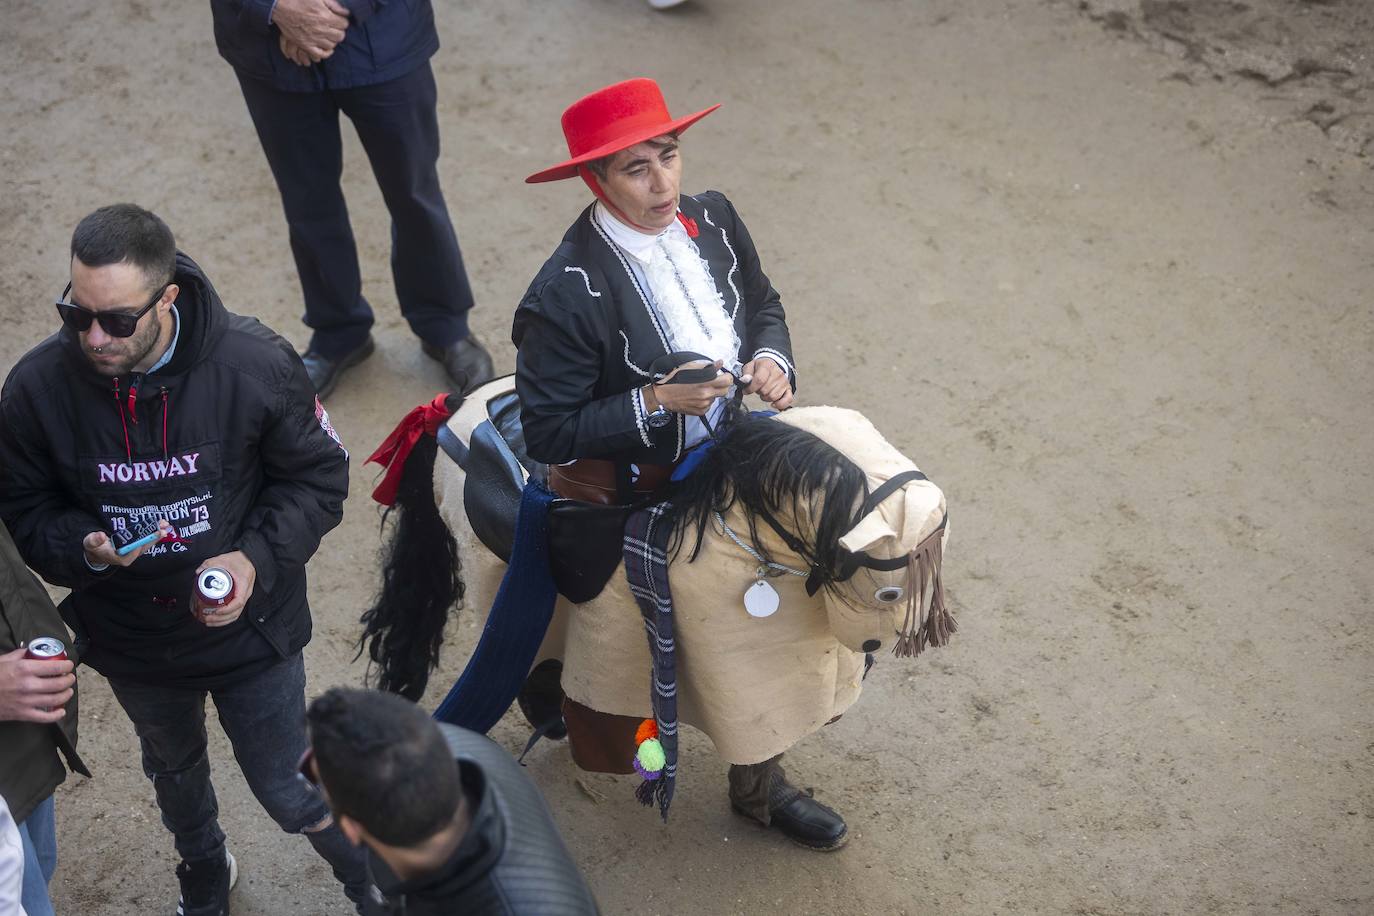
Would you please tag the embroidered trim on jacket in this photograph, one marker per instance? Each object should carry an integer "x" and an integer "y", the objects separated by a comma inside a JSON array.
[
  {"x": 641, "y": 413},
  {"x": 585, "y": 279},
  {"x": 633, "y": 368},
  {"x": 778, "y": 357},
  {"x": 734, "y": 267},
  {"x": 653, "y": 319}
]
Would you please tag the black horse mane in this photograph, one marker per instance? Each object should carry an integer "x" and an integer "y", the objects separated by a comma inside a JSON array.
[
  {"x": 422, "y": 580},
  {"x": 768, "y": 466},
  {"x": 761, "y": 464}
]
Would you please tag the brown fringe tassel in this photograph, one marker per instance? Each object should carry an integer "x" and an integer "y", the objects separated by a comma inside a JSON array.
[{"x": 925, "y": 624}]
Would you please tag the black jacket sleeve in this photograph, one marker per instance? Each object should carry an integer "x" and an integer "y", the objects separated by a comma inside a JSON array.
[
  {"x": 765, "y": 323},
  {"x": 47, "y": 528},
  {"x": 306, "y": 479},
  {"x": 559, "y": 364}
]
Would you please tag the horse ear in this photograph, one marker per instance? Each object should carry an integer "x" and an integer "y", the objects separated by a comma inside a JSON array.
[
  {"x": 872, "y": 528},
  {"x": 922, "y": 512},
  {"x": 907, "y": 520}
]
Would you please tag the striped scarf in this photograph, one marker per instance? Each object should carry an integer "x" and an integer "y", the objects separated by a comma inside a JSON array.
[{"x": 646, "y": 570}]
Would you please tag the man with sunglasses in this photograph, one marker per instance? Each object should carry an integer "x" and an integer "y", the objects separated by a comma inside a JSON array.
[
  {"x": 450, "y": 822},
  {"x": 155, "y": 411}
]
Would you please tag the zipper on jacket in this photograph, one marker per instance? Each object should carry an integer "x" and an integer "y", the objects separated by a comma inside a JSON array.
[
  {"x": 133, "y": 395},
  {"x": 119, "y": 409}
]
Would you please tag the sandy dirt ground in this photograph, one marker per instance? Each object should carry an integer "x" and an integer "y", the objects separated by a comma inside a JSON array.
[{"x": 1104, "y": 269}]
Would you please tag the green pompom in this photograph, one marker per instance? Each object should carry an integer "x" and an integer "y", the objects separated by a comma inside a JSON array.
[{"x": 650, "y": 756}]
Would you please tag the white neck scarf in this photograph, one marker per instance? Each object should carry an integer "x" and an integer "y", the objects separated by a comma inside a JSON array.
[{"x": 680, "y": 286}]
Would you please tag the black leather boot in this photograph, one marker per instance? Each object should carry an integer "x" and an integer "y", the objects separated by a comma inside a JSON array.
[
  {"x": 467, "y": 362},
  {"x": 762, "y": 793},
  {"x": 324, "y": 372}
]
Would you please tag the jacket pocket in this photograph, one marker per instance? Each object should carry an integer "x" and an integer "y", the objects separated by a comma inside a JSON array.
[{"x": 277, "y": 614}]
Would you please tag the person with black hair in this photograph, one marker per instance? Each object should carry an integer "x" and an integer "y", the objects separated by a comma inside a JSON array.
[
  {"x": 645, "y": 277},
  {"x": 154, "y": 409},
  {"x": 450, "y": 822}
]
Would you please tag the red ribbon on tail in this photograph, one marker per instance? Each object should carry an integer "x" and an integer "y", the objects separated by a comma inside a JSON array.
[{"x": 396, "y": 448}]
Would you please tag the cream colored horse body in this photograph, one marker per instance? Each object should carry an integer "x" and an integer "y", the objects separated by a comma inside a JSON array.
[{"x": 755, "y": 686}]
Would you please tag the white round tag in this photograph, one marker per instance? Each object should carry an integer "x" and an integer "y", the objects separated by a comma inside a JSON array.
[{"x": 761, "y": 599}]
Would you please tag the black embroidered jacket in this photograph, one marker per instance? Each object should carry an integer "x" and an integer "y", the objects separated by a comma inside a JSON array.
[{"x": 586, "y": 336}]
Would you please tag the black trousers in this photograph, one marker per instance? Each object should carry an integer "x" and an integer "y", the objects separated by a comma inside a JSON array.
[{"x": 399, "y": 129}]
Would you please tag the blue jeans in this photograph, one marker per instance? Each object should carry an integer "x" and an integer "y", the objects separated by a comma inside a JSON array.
[
  {"x": 39, "y": 835},
  {"x": 264, "y": 716}
]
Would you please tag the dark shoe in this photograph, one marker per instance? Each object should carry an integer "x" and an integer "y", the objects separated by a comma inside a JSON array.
[
  {"x": 541, "y": 702},
  {"x": 467, "y": 362},
  {"x": 205, "y": 886},
  {"x": 799, "y": 817},
  {"x": 324, "y": 372}
]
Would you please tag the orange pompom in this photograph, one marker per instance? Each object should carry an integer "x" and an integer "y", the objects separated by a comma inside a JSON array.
[{"x": 647, "y": 729}]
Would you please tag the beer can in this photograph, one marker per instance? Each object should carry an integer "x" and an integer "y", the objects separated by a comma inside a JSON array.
[
  {"x": 214, "y": 589},
  {"x": 45, "y": 648}
]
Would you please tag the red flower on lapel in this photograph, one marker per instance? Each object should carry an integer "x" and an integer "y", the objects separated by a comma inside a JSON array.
[{"x": 689, "y": 224}]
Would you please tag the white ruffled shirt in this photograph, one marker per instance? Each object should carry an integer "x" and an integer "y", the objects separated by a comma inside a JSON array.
[{"x": 683, "y": 297}]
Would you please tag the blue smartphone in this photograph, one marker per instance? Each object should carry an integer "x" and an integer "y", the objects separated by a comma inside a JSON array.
[
  {"x": 134, "y": 545},
  {"x": 126, "y": 541}
]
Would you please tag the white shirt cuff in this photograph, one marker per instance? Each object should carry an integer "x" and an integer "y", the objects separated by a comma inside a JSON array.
[{"x": 776, "y": 357}]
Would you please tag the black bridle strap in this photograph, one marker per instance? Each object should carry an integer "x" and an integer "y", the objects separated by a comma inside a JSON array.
[
  {"x": 791, "y": 540},
  {"x": 889, "y": 486},
  {"x": 852, "y": 560},
  {"x": 896, "y": 562}
]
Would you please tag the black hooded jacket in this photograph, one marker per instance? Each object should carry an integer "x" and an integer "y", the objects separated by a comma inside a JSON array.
[
  {"x": 227, "y": 442},
  {"x": 511, "y": 861}
]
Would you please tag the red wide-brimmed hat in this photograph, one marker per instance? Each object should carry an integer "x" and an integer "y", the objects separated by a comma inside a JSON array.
[{"x": 612, "y": 119}]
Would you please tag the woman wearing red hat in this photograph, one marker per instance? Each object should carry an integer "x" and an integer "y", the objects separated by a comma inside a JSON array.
[{"x": 645, "y": 272}]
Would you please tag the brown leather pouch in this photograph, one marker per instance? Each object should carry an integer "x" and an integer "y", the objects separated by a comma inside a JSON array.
[
  {"x": 592, "y": 480},
  {"x": 582, "y": 481}
]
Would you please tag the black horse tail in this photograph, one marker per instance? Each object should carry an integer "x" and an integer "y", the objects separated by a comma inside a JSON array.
[{"x": 421, "y": 581}]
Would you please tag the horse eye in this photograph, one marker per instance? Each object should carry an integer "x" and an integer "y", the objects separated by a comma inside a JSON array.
[{"x": 889, "y": 593}]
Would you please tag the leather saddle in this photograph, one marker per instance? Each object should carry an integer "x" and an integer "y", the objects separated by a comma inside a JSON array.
[
  {"x": 584, "y": 538},
  {"x": 496, "y": 466}
]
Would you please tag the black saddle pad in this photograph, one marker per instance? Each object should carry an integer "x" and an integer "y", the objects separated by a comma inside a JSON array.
[
  {"x": 584, "y": 539},
  {"x": 495, "y": 463}
]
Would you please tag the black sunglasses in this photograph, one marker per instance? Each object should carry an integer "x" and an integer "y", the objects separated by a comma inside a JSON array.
[{"x": 116, "y": 324}]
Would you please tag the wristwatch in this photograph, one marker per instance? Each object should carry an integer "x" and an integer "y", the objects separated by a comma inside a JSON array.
[{"x": 658, "y": 418}]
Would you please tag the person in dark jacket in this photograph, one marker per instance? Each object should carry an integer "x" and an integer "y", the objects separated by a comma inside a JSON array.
[
  {"x": 643, "y": 272},
  {"x": 37, "y": 721},
  {"x": 450, "y": 822},
  {"x": 643, "y": 275},
  {"x": 301, "y": 62},
  {"x": 155, "y": 409}
]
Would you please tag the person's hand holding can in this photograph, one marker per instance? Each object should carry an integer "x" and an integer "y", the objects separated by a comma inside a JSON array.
[{"x": 223, "y": 586}]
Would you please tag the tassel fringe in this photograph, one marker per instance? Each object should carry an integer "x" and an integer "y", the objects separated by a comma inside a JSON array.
[
  {"x": 927, "y": 623},
  {"x": 655, "y": 791}
]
